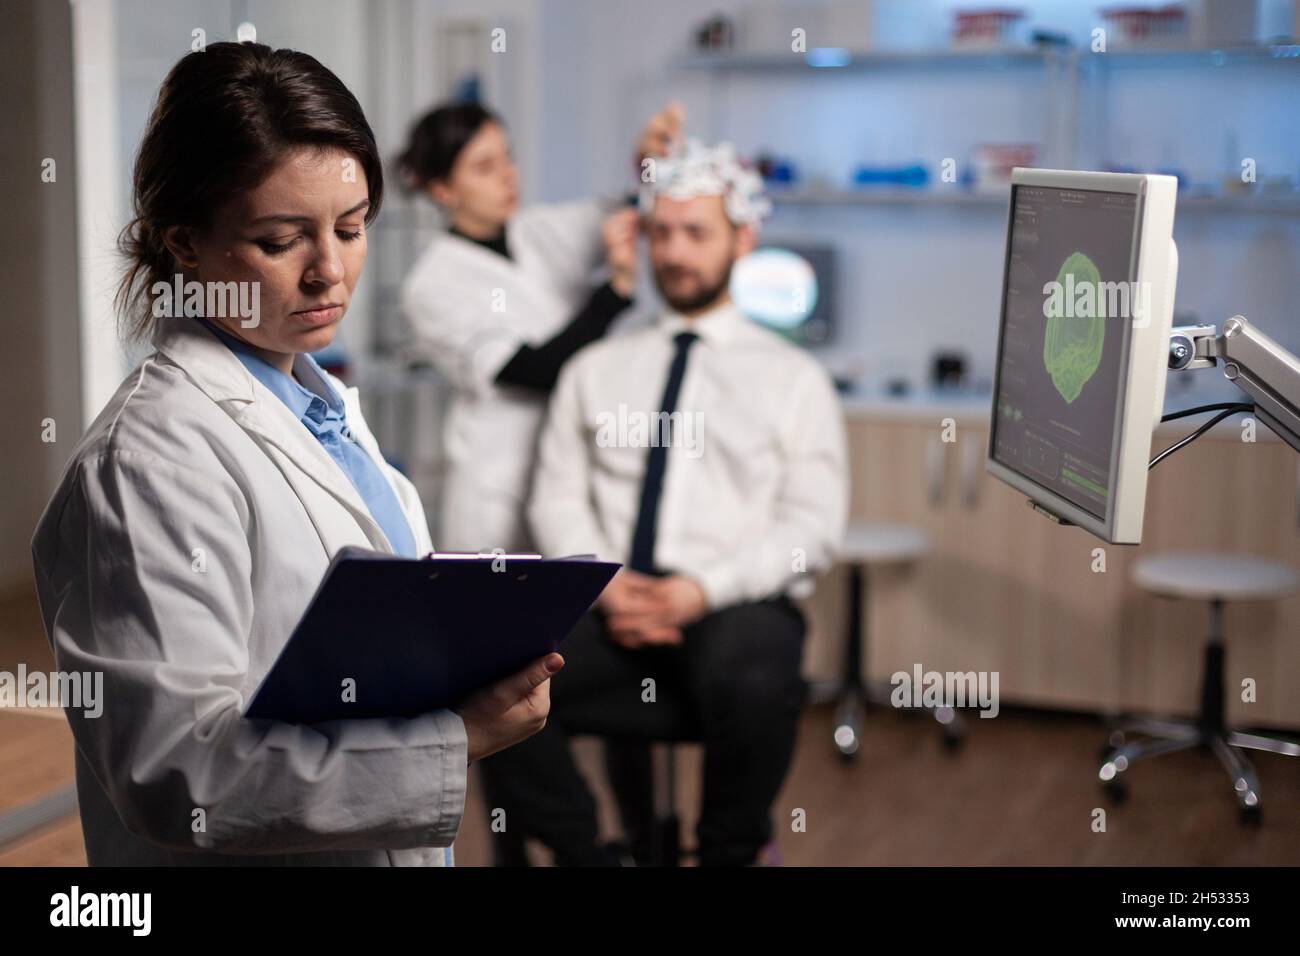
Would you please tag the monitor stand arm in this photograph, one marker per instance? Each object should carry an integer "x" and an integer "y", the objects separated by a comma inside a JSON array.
[{"x": 1256, "y": 364}]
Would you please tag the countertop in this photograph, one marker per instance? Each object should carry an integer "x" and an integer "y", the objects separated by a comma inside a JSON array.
[{"x": 1183, "y": 390}]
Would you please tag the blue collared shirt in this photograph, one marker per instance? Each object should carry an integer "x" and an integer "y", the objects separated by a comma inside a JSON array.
[{"x": 315, "y": 404}]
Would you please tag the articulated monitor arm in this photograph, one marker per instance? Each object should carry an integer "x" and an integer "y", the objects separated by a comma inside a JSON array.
[{"x": 1259, "y": 366}]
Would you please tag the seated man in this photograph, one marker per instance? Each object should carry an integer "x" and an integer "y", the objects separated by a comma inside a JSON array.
[{"x": 714, "y": 519}]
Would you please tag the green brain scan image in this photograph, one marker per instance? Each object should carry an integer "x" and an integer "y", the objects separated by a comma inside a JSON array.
[{"x": 1072, "y": 344}]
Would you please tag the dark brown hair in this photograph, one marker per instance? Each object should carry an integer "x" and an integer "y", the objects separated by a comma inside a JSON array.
[
  {"x": 436, "y": 139},
  {"x": 224, "y": 118}
]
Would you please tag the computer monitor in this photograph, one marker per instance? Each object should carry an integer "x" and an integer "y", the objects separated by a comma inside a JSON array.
[
  {"x": 1083, "y": 343},
  {"x": 790, "y": 288}
]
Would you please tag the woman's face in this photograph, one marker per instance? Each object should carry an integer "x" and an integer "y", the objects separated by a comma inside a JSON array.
[
  {"x": 301, "y": 235},
  {"x": 482, "y": 191}
]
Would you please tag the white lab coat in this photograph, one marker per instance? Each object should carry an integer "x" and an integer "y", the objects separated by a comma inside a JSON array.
[
  {"x": 469, "y": 310},
  {"x": 194, "y": 522}
]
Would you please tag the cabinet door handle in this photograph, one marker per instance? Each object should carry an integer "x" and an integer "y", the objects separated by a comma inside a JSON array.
[
  {"x": 971, "y": 455},
  {"x": 934, "y": 477}
]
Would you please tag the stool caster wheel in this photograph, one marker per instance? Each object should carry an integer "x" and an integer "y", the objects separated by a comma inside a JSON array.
[
  {"x": 1117, "y": 790},
  {"x": 1251, "y": 816},
  {"x": 849, "y": 718}
]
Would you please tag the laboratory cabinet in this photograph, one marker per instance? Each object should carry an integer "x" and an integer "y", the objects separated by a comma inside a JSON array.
[{"x": 1052, "y": 608}]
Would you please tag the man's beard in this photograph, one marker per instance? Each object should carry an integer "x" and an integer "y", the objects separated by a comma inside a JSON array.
[{"x": 699, "y": 301}]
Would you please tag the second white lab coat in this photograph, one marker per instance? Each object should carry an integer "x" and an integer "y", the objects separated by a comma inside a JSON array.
[
  {"x": 191, "y": 528},
  {"x": 469, "y": 310}
]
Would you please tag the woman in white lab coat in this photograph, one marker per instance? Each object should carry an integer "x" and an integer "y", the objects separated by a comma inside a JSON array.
[
  {"x": 201, "y": 508},
  {"x": 500, "y": 301}
]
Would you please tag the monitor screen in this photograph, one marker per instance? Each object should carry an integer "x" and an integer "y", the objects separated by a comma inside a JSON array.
[
  {"x": 1071, "y": 265},
  {"x": 818, "y": 326}
]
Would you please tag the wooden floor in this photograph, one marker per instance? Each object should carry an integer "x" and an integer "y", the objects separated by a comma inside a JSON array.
[
  {"x": 1022, "y": 791},
  {"x": 35, "y": 746}
]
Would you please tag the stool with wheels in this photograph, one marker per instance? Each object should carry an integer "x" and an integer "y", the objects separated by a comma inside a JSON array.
[
  {"x": 1215, "y": 578},
  {"x": 866, "y": 544}
]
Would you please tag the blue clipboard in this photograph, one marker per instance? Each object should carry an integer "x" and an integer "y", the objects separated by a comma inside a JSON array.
[{"x": 415, "y": 635}]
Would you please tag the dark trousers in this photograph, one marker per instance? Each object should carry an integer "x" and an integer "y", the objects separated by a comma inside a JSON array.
[{"x": 735, "y": 678}]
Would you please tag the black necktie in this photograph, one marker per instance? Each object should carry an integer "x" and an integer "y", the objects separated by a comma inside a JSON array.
[{"x": 643, "y": 537}]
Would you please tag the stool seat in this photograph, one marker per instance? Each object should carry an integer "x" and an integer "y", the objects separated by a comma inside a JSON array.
[
  {"x": 873, "y": 542},
  {"x": 1215, "y": 576}
]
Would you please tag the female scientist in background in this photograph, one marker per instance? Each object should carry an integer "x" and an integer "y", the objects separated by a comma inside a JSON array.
[
  {"x": 500, "y": 301},
  {"x": 202, "y": 507}
]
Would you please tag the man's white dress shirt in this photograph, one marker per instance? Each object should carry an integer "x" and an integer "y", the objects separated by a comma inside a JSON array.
[{"x": 755, "y": 493}]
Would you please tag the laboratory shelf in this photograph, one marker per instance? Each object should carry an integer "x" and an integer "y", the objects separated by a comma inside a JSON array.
[
  {"x": 1186, "y": 56},
  {"x": 835, "y": 58},
  {"x": 887, "y": 197},
  {"x": 1263, "y": 204}
]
